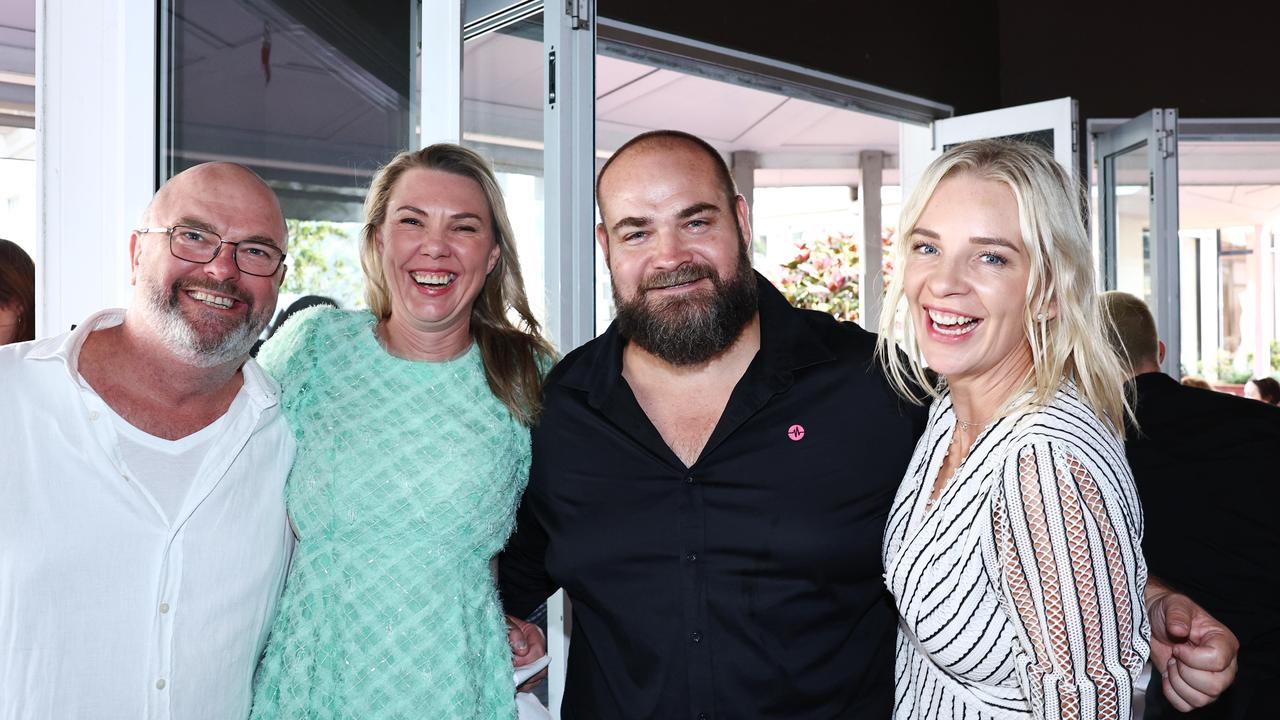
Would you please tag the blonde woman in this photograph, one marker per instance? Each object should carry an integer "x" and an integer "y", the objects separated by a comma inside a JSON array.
[
  {"x": 412, "y": 423},
  {"x": 1013, "y": 549}
]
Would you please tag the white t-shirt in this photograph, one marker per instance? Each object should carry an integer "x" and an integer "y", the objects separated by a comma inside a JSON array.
[{"x": 168, "y": 468}]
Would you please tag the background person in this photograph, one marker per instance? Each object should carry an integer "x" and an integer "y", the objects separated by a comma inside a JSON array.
[
  {"x": 1013, "y": 547},
  {"x": 17, "y": 294},
  {"x": 1196, "y": 382},
  {"x": 412, "y": 421},
  {"x": 1204, "y": 463},
  {"x": 1265, "y": 389}
]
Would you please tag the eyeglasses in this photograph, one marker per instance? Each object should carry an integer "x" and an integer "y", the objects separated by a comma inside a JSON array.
[{"x": 202, "y": 246}]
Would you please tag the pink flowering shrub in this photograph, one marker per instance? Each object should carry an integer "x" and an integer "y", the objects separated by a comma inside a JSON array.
[{"x": 823, "y": 276}]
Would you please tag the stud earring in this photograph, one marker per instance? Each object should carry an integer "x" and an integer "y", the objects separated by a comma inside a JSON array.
[{"x": 1040, "y": 317}]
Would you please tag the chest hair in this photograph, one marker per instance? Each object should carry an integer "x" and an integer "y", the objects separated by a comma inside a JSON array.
[{"x": 684, "y": 416}]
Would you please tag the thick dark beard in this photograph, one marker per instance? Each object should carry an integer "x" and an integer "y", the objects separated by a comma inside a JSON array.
[{"x": 697, "y": 327}]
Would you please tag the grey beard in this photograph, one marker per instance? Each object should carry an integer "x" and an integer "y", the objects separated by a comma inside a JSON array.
[{"x": 182, "y": 340}]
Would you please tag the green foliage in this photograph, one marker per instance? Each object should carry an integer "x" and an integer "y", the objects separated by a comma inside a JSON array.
[
  {"x": 1229, "y": 373},
  {"x": 323, "y": 260},
  {"x": 1275, "y": 356},
  {"x": 823, "y": 276}
]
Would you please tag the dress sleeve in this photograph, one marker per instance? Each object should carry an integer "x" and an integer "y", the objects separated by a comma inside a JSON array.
[
  {"x": 1072, "y": 581},
  {"x": 290, "y": 354}
]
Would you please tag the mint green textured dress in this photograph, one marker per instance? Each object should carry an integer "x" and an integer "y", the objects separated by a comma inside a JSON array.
[{"x": 405, "y": 485}]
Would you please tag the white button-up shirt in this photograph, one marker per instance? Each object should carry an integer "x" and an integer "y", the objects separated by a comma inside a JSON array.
[{"x": 108, "y": 609}]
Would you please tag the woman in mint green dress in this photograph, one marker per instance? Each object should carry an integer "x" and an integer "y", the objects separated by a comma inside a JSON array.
[{"x": 413, "y": 448}]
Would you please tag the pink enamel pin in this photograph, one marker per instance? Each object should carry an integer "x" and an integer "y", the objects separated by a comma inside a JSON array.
[{"x": 796, "y": 433}]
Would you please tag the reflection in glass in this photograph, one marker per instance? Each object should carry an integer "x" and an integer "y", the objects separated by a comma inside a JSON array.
[
  {"x": 313, "y": 96},
  {"x": 1133, "y": 222}
]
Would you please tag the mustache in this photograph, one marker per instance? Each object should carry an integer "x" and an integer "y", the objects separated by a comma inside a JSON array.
[
  {"x": 221, "y": 287},
  {"x": 679, "y": 276}
]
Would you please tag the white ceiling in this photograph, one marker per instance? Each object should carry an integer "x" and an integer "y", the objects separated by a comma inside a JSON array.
[{"x": 801, "y": 142}]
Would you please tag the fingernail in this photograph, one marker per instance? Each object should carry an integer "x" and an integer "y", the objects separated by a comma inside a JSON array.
[{"x": 521, "y": 645}]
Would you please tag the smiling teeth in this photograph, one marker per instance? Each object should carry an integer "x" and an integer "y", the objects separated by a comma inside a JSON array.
[
  {"x": 215, "y": 300},
  {"x": 949, "y": 324},
  {"x": 433, "y": 278}
]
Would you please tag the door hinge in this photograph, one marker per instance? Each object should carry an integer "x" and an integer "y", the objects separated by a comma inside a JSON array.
[
  {"x": 1166, "y": 144},
  {"x": 579, "y": 18}
]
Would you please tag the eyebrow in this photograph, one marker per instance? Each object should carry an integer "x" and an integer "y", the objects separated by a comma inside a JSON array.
[
  {"x": 455, "y": 216},
  {"x": 202, "y": 225},
  {"x": 975, "y": 240},
  {"x": 685, "y": 214}
]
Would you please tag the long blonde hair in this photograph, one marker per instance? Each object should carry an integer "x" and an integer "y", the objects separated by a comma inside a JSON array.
[
  {"x": 514, "y": 355},
  {"x": 1070, "y": 343}
]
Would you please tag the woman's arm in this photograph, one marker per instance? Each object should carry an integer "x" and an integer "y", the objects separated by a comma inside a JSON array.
[{"x": 1072, "y": 577}]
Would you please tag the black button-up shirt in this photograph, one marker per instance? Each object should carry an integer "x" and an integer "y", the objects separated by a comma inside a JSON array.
[{"x": 747, "y": 586}]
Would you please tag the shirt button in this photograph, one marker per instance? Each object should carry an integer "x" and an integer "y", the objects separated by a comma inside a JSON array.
[
  {"x": 93, "y": 415},
  {"x": 160, "y": 684},
  {"x": 164, "y": 608},
  {"x": 703, "y": 716},
  {"x": 689, "y": 478},
  {"x": 696, "y": 636},
  {"x": 691, "y": 557}
]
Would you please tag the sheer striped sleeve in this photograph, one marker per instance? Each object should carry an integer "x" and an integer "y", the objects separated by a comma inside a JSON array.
[{"x": 1068, "y": 538}]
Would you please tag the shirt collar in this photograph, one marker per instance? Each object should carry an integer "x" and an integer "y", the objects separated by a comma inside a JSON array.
[
  {"x": 258, "y": 386},
  {"x": 788, "y": 342}
]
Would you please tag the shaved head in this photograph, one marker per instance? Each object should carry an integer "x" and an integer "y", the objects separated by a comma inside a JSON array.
[
  {"x": 231, "y": 180},
  {"x": 670, "y": 142}
]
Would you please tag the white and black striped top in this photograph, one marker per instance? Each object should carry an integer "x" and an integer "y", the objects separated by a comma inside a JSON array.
[{"x": 1020, "y": 591}]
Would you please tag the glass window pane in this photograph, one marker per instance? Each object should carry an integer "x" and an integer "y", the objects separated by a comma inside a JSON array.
[
  {"x": 1133, "y": 223},
  {"x": 18, "y": 187},
  {"x": 1229, "y": 210},
  {"x": 502, "y": 120},
  {"x": 313, "y": 96}
]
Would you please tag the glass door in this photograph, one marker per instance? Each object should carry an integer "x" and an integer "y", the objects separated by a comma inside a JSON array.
[
  {"x": 1052, "y": 123},
  {"x": 1137, "y": 166}
]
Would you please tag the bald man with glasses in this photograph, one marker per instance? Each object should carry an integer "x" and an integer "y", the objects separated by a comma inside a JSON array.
[{"x": 143, "y": 535}]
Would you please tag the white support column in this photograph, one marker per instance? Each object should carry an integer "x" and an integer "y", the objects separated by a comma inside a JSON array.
[
  {"x": 95, "y": 149},
  {"x": 569, "y": 171},
  {"x": 871, "y": 163},
  {"x": 743, "y": 164},
  {"x": 440, "y": 72}
]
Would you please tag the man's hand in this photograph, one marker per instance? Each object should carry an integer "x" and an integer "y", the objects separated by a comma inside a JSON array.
[
  {"x": 527, "y": 645},
  {"x": 1194, "y": 653}
]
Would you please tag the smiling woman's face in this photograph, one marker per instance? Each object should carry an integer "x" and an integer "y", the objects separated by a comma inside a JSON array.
[
  {"x": 965, "y": 281},
  {"x": 437, "y": 246}
]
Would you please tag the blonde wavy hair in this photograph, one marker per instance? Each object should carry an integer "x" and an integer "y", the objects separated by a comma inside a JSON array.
[
  {"x": 514, "y": 353},
  {"x": 1072, "y": 342}
]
